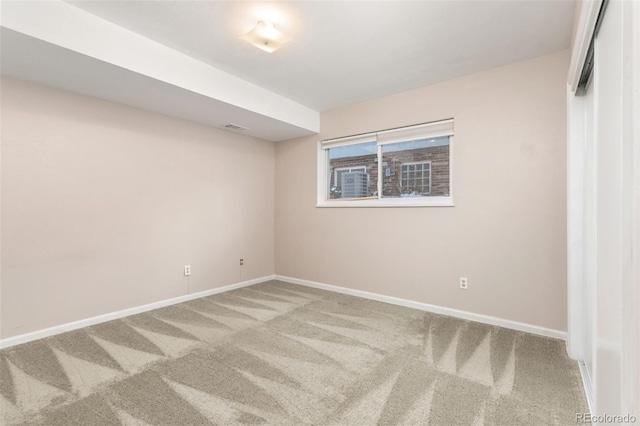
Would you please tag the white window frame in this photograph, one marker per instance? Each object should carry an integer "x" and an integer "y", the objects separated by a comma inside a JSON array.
[
  {"x": 421, "y": 163},
  {"x": 421, "y": 131}
]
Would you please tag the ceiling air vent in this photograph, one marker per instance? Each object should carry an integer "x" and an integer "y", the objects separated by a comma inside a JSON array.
[{"x": 235, "y": 127}]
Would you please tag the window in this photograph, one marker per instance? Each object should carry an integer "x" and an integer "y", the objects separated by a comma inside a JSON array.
[
  {"x": 409, "y": 166},
  {"x": 416, "y": 179}
]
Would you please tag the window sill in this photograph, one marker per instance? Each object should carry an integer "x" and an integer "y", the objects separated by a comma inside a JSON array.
[{"x": 431, "y": 202}]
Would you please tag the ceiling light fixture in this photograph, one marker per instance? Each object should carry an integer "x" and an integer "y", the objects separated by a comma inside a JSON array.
[{"x": 266, "y": 36}]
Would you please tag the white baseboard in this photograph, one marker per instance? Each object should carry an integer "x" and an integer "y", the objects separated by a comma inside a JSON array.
[
  {"x": 586, "y": 382},
  {"x": 534, "y": 329},
  {"x": 28, "y": 337}
]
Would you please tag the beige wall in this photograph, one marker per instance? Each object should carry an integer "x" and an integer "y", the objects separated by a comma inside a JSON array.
[
  {"x": 103, "y": 204},
  {"x": 577, "y": 9},
  {"x": 507, "y": 231}
]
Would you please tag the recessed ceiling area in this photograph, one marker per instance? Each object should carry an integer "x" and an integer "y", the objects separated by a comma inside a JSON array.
[{"x": 188, "y": 58}]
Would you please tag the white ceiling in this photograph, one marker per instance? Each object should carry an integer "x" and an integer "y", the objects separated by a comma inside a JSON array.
[
  {"x": 345, "y": 52},
  {"x": 186, "y": 58}
]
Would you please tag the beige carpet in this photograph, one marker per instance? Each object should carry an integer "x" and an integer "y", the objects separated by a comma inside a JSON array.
[{"x": 281, "y": 354}]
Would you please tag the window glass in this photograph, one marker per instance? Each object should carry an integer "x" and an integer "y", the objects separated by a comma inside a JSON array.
[
  {"x": 417, "y": 168},
  {"x": 353, "y": 171}
]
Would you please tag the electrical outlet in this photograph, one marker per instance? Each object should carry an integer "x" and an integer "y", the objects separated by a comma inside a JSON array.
[
  {"x": 241, "y": 262},
  {"x": 187, "y": 270},
  {"x": 463, "y": 283}
]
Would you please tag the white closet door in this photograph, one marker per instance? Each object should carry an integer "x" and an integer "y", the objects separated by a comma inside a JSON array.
[
  {"x": 608, "y": 86},
  {"x": 589, "y": 230}
]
